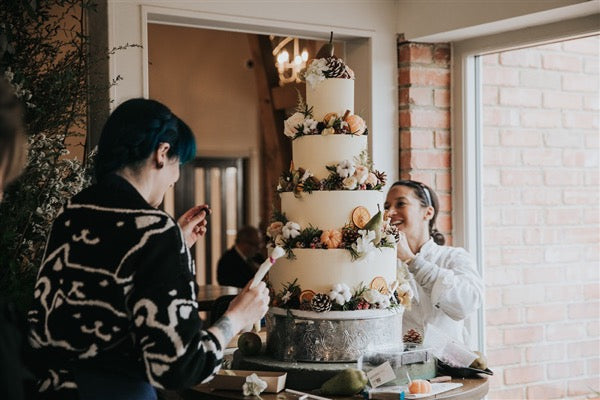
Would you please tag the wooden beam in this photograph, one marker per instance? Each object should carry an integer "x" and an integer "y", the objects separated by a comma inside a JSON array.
[
  {"x": 276, "y": 149},
  {"x": 286, "y": 97}
]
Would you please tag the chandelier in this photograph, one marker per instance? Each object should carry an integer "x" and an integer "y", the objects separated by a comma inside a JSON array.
[{"x": 289, "y": 65}]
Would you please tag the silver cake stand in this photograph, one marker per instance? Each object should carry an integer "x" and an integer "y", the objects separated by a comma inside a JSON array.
[{"x": 335, "y": 336}]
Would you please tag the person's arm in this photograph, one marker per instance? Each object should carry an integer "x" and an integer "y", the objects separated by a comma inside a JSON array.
[
  {"x": 176, "y": 352},
  {"x": 456, "y": 289}
]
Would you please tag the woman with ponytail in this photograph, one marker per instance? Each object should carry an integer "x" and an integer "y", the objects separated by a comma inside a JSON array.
[
  {"x": 446, "y": 286},
  {"x": 114, "y": 314}
]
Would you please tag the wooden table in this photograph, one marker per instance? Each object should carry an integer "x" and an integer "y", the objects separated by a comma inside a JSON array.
[
  {"x": 207, "y": 294},
  {"x": 472, "y": 389}
]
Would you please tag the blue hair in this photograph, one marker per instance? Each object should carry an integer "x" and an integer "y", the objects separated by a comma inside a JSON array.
[{"x": 135, "y": 129}]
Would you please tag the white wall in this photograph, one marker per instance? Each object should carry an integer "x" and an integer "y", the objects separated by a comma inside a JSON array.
[
  {"x": 201, "y": 75},
  {"x": 450, "y": 20},
  {"x": 370, "y": 26}
]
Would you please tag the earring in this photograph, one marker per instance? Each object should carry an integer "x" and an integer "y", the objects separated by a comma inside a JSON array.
[{"x": 160, "y": 164}]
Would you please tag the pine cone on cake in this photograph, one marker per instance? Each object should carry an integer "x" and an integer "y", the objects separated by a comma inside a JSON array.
[
  {"x": 320, "y": 302},
  {"x": 349, "y": 235},
  {"x": 412, "y": 336},
  {"x": 381, "y": 177},
  {"x": 337, "y": 69}
]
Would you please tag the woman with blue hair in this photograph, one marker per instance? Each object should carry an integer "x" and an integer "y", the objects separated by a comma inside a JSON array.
[{"x": 115, "y": 313}]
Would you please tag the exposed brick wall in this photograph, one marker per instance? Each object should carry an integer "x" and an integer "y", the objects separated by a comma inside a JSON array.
[
  {"x": 541, "y": 195},
  {"x": 424, "y": 90}
]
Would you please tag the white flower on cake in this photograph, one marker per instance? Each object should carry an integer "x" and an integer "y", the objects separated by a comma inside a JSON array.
[
  {"x": 371, "y": 179},
  {"x": 350, "y": 183},
  {"x": 309, "y": 126},
  {"x": 315, "y": 72},
  {"x": 345, "y": 169},
  {"x": 307, "y": 174},
  {"x": 340, "y": 293},
  {"x": 362, "y": 173},
  {"x": 391, "y": 239},
  {"x": 376, "y": 298},
  {"x": 290, "y": 230},
  {"x": 328, "y": 131},
  {"x": 290, "y": 126},
  {"x": 254, "y": 385},
  {"x": 364, "y": 243},
  {"x": 286, "y": 297},
  {"x": 275, "y": 229},
  {"x": 405, "y": 289}
]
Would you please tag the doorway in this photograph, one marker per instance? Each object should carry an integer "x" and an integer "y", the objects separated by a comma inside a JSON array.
[{"x": 220, "y": 182}]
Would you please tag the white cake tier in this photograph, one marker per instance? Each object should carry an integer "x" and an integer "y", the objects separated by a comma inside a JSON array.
[
  {"x": 331, "y": 95},
  {"x": 319, "y": 269},
  {"x": 328, "y": 209},
  {"x": 316, "y": 152}
]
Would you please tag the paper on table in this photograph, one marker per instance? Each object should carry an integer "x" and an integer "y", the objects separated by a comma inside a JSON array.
[
  {"x": 392, "y": 392},
  {"x": 446, "y": 349}
]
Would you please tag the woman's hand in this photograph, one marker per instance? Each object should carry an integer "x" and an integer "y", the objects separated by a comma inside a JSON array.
[
  {"x": 193, "y": 223},
  {"x": 249, "y": 306},
  {"x": 404, "y": 253}
]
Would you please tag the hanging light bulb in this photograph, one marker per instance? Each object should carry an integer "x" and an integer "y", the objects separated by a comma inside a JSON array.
[{"x": 289, "y": 69}]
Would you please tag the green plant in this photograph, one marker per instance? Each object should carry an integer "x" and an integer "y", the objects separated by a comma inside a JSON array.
[{"x": 44, "y": 54}]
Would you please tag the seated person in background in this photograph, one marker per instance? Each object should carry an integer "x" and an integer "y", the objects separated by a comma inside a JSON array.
[{"x": 239, "y": 264}]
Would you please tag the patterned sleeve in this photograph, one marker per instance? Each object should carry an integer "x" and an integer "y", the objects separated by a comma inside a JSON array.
[{"x": 174, "y": 349}]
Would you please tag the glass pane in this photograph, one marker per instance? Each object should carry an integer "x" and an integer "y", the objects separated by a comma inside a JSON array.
[
  {"x": 216, "y": 221},
  {"x": 231, "y": 204},
  {"x": 200, "y": 248}
]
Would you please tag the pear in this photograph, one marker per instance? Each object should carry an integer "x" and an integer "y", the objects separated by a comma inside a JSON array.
[
  {"x": 348, "y": 382},
  {"x": 480, "y": 362},
  {"x": 249, "y": 344},
  {"x": 327, "y": 49},
  {"x": 375, "y": 224}
]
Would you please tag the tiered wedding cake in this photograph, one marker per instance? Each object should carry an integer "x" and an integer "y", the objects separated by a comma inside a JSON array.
[{"x": 336, "y": 293}]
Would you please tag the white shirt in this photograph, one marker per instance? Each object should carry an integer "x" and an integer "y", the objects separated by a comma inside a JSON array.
[{"x": 447, "y": 289}]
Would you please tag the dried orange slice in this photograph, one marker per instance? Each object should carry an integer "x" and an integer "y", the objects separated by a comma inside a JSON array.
[
  {"x": 378, "y": 283},
  {"x": 306, "y": 296},
  {"x": 360, "y": 216}
]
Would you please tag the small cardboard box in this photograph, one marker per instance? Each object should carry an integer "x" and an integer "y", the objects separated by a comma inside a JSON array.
[{"x": 233, "y": 379}]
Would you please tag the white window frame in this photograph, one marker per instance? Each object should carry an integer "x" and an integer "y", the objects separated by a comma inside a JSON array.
[{"x": 466, "y": 128}]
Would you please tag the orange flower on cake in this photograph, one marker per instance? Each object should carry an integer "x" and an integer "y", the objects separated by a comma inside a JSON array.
[
  {"x": 356, "y": 124},
  {"x": 274, "y": 229},
  {"x": 331, "y": 238},
  {"x": 361, "y": 173}
]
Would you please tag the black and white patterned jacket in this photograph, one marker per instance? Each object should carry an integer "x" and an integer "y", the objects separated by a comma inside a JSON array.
[{"x": 116, "y": 291}]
